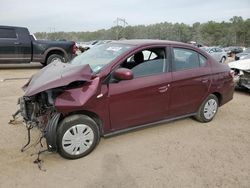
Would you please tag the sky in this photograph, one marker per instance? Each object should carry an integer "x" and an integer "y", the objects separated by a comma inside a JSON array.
[{"x": 91, "y": 15}]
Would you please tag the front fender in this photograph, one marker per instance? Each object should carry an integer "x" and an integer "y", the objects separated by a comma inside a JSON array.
[{"x": 75, "y": 99}]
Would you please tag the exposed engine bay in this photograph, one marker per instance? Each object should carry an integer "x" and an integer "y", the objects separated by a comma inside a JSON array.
[{"x": 38, "y": 111}]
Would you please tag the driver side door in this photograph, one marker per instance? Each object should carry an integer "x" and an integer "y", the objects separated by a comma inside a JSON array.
[{"x": 144, "y": 99}]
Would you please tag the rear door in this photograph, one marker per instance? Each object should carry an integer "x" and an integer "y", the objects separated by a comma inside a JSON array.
[
  {"x": 14, "y": 46},
  {"x": 24, "y": 45},
  {"x": 8, "y": 50},
  {"x": 191, "y": 81},
  {"x": 219, "y": 53}
]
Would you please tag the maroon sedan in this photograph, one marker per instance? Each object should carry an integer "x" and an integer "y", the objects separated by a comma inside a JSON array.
[{"x": 121, "y": 86}]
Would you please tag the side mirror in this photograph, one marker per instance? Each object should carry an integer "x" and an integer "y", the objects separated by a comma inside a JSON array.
[{"x": 123, "y": 74}]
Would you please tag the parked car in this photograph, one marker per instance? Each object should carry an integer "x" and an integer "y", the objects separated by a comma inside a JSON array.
[
  {"x": 18, "y": 46},
  {"x": 241, "y": 70},
  {"x": 243, "y": 54},
  {"x": 103, "y": 42},
  {"x": 195, "y": 44},
  {"x": 219, "y": 54},
  {"x": 233, "y": 50},
  {"x": 89, "y": 44},
  {"x": 122, "y": 86}
]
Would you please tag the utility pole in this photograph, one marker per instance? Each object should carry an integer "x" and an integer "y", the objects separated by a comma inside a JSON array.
[
  {"x": 52, "y": 29},
  {"x": 119, "y": 22}
]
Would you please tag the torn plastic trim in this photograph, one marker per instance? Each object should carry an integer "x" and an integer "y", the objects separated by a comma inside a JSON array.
[{"x": 50, "y": 132}]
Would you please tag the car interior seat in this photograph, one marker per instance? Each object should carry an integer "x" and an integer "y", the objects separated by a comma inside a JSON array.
[{"x": 137, "y": 59}]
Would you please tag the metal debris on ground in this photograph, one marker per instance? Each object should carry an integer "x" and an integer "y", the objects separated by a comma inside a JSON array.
[{"x": 38, "y": 161}]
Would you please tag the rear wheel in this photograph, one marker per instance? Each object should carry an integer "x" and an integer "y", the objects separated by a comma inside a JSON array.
[
  {"x": 55, "y": 57},
  {"x": 77, "y": 136},
  {"x": 208, "y": 109}
]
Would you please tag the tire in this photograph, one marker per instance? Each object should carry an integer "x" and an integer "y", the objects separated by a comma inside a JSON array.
[
  {"x": 55, "y": 57},
  {"x": 77, "y": 136},
  {"x": 223, "y": 59},
  {"x": 208, "y": 109}
]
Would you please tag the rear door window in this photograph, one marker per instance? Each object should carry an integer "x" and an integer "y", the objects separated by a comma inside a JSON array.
[
  {"x": 187, "y": 59},
  {"x": 7, "y": 33}
]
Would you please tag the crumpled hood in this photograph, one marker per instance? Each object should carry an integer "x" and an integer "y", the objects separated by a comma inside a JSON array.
[
  {"x": 240, "y": 64},
  {"x": 55, "y": 75}
]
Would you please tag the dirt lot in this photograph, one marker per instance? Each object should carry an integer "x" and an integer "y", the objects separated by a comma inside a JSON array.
[{"x": 183, "y": 153}]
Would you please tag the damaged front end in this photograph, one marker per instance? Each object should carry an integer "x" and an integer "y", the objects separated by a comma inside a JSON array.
[
  {"x": 38, "y": 105},
  {"x": 241, "y": 72},
  {"x": 242, "y": 78},
  {"x": 39, "y": 111}
]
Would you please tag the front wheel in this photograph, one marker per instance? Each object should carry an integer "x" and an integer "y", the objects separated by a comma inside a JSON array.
[
  {"x": 77, "y": 136},
  {"x": 208, "y": 109}
]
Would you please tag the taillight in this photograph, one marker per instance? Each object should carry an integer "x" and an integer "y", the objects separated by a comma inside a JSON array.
[{"x": 74, "y": 48}]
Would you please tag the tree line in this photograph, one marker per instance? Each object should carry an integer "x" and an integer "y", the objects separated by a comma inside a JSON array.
[{"x": 235, "y": 32}]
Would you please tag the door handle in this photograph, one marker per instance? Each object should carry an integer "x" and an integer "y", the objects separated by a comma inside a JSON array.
[
  {"x": 163, "y": 88},
  {"x": 204, "y": 81},
  {"x": 17, "y": 43}
]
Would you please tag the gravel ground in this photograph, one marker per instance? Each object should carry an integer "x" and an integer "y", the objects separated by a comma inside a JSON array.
[{"x": 183, "y": 153}]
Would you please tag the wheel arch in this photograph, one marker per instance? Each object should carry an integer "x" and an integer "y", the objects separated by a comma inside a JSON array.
[
  {"x": 58, "y": 51},
  {"x": 219, "y": 97},
  {"x": 90, "y": 114}
]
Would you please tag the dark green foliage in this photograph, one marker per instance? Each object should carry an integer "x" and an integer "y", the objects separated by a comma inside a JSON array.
[{"x": 234, "y": 32}]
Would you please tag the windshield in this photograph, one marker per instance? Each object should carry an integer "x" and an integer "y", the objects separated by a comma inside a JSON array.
[{"x": 101, "y": 55}]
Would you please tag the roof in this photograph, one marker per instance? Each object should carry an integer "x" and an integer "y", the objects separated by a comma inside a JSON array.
[
  {"x": 11, "y": 27},
  {"x": 139, "y": 42}
]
